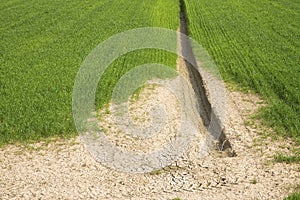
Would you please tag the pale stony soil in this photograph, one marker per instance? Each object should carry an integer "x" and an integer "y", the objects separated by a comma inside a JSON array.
[
  {"x": 140, "y": 110},
  {"x": 63, "y": 169}
]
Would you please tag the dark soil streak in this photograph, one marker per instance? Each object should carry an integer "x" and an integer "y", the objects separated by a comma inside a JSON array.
[{"x": 206, "y": 112}]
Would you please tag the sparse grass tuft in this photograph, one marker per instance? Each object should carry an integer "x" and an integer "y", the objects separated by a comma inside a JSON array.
[
  {"x": 253, "y": 181},
  {"x": 155, "y": 172},
  {"x": 294, "y": 196},
  {"x": 287, "y": 159}
]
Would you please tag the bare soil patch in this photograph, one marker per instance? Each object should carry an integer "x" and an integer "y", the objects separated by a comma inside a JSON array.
[{"x": 65, "y": 170}]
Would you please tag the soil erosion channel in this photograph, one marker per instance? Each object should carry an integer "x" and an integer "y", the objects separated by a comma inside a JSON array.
[{"x": 209, "y": 91}]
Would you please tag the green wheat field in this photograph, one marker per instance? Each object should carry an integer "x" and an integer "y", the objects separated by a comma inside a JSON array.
[{"x": 255, "y": 44}]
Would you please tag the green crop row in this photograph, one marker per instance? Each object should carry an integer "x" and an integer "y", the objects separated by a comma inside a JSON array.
[
  {"x": 43, "y": 44},
  {"x": 256, "y": 44}
]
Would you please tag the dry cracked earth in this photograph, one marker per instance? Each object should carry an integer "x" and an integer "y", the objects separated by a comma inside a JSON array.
[{"x": 64, "y": 169}]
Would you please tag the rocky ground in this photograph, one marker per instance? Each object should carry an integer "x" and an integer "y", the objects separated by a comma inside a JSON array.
[{"x": 64, "y": 169}]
